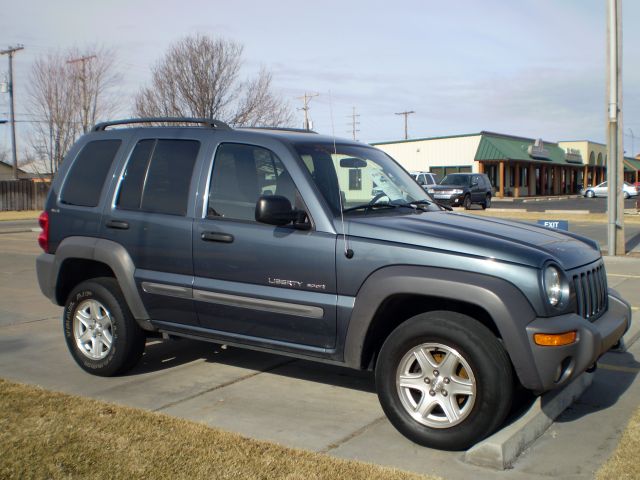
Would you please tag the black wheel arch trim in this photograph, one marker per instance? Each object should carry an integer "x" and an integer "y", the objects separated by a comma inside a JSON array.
[
  {"x": 505, "y": 303},
  {"x": 116, "y": 257}
]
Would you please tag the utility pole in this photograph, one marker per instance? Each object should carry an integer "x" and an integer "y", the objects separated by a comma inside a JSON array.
[
  {"x": 306, "y": 99},
  {"x": 11, "y": 51},
  {"x": 633, "y": 142},
  {"x": 615, "y": 150},
  {"x": 354, "y": 122},
  {"x": 85, "y": 113},
  {"x": 406, "y": 114}
]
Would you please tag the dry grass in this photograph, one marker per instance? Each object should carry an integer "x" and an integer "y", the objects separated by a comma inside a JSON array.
[
  {"x": 24, "y": 215},
  {"x": 623, "y": 464},
  {"x": 53, "y": 435}
]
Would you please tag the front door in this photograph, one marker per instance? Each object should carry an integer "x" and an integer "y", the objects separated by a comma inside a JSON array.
[{"x": 257, "y": 282}]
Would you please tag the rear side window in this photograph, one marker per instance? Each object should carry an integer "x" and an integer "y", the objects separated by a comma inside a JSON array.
[
  {"x": 158, "y": 176},
  {"x": 87, "y": 175}
]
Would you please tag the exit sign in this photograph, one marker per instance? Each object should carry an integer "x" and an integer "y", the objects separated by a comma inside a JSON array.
[{"x": 557, "y": 224}]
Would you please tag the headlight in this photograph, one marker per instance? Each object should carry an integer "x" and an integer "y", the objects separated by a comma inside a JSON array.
[
  {"x": 457, "y": 191},
  {"x": 430, "y": 190},
  {"x": 555, "y": 286}
]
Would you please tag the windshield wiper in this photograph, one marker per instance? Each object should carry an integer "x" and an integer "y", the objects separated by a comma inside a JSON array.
[
  {"x": 369, "y": 206},
  {"x": 417, "y": 205}
]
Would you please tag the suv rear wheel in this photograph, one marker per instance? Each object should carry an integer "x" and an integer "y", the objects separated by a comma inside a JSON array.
[
  {"x": 444, "y": 380},
  {"x": 487, "y": 202},
  {"x": 102, "y": 335}
]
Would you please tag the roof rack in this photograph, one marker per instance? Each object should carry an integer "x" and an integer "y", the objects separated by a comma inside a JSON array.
[
  {"x": 207, "y": 122},
  {"x": 282, "y": 129}
]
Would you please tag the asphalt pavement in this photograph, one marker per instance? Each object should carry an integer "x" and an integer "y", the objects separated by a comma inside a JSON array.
[{"x": 298, "y": 403}]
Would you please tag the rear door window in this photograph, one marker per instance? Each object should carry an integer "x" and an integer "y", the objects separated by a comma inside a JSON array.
[
  {"x": 158, "y": 176},
  {"x": 86, "y": 178}
]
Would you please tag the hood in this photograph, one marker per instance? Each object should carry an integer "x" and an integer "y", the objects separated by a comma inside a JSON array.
[{"x": 509, "y": 241}]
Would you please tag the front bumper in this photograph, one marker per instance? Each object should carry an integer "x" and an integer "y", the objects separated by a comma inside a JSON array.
[
  {"x": 452, "y": 200},
  {"x": 558, "y": 365}
]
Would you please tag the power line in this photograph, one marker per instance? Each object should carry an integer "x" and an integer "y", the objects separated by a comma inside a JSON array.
[
  {"x": 406, "y": 114},
  {"x": 10, "y": 51},
  {"x": 306, "y": 99}
]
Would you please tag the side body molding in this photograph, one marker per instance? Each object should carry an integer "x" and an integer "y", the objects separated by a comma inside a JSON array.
[
  {"x": 116, "y": 257},
  {"x": 507, "y": 306}
]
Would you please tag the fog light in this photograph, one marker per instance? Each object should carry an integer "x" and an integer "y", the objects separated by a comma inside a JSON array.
[{"x": 555, "y": 339}]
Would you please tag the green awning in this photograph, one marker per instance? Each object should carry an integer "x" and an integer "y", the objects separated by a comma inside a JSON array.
[{"x": 497, "y": 147}]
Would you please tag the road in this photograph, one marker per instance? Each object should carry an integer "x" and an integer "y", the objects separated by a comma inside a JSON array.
[{"x": 293, "y": 402}]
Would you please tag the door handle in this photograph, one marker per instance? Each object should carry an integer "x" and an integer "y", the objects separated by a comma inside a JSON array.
[
  {"x": 217, "y": 237},
  {"x": 118, "y": 224}
]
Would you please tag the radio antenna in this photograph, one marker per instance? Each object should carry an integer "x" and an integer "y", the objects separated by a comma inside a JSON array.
[{"x": 347, "y": 251}]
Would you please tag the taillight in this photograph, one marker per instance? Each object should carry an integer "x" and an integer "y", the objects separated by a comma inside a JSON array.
[{"x": 43, "y": 238}]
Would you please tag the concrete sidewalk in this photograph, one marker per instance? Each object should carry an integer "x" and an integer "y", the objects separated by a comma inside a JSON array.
[{"x": 298, "y": 403}]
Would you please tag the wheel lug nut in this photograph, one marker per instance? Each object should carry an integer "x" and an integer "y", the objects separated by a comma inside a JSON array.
[
  {"x": 436, "y": 373},
  {"x": 446, "y": 380},
  {"x": 432, "y": 392},
  {"x": 427, "y": 381},
  {"x": 444, "y": 393}
]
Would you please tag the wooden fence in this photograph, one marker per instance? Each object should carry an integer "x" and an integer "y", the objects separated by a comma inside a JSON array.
[{"x": 23, "y": 195}]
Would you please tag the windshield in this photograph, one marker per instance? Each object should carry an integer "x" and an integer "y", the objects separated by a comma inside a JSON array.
[
  {"x": 462, "y": 180},
  {"x": 360, "y": 176}
]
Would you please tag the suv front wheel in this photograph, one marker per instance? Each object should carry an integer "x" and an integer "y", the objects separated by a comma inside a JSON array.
[
  {"x": 444, "y": 380},
  {"x": 102, "y": 335}
]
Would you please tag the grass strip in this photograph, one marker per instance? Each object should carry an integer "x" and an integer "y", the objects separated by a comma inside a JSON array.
[
  {"x": 52, "y": 435},
  {"x": 623, "y": 463},
  {"x": 21, "y": 215}
]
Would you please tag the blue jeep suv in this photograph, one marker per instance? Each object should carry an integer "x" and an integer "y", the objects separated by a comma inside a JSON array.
[{"x": 323, "y": 249}]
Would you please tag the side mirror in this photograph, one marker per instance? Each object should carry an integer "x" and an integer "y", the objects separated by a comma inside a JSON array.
[
  {"x": 274, "y": 210},
  {"x": 277, "y": 210}
]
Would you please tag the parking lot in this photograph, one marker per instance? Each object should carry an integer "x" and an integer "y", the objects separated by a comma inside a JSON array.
[{"x": 293, "y": 402}]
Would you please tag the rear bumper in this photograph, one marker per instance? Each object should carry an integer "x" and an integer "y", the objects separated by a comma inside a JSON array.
[
  {"x": 556, "y": 366},
  {"x": 46, "y": 271}
]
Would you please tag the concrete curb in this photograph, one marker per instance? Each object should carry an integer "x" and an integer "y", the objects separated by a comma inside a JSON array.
[{"x": 501, "y": 449}]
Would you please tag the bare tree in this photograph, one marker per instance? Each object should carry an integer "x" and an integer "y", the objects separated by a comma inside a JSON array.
[
  {"x": 94, "y": 76},
  {"x": 52, "y": 100},
  {"x": 66, "y": 97},
  {"x": 200, "y": 77}
]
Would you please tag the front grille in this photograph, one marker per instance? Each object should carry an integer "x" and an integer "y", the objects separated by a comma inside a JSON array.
[{"x": 590, "y": 286}]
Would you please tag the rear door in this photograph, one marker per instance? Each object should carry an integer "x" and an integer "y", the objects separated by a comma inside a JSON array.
[
  {"x": 151, "y": 215},
  {"x": 256, "y": 282}
]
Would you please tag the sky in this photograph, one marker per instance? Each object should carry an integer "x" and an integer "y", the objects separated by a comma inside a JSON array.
[{"x": 534, "y": 68}]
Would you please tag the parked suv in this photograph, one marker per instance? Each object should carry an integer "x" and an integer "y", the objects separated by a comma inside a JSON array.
[
  {"x": 274, "y": 240},
  {"x": 463, "y": 190}
]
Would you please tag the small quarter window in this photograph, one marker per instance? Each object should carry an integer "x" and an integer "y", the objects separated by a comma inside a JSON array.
[{"x": 88, "y": 173}]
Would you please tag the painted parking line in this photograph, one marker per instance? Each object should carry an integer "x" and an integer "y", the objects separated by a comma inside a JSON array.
[{"x": 617, "y": 368}]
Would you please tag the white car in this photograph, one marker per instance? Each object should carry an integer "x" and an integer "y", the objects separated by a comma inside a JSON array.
[
  {"x": 425, "y": 179},
  {"x": 601, "y": 190}
]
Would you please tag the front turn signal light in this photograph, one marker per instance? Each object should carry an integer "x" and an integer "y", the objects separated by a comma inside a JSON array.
[{"x": 555, "y": 339}]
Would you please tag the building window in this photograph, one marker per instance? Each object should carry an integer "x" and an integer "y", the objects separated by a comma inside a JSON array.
[{"x": 355, "y": 179}]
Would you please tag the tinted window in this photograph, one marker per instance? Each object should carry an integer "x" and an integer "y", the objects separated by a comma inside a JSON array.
[
  {"x": 241, "y": 174},
  {"x": 158, "y": 176},
  {"x": 133, "y": 180},
  {"x": 86, "y": 177}
]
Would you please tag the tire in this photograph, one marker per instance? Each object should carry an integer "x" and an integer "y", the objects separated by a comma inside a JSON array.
[
  {"x": 590, "y": 194},
  {"x": 487, "y": 202},
  {"x": 625, "y": 195},
  {"x": 466, "y": 202},
  {"x": 479, "y": 369},
  {"x": 101, "y": 333}
]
